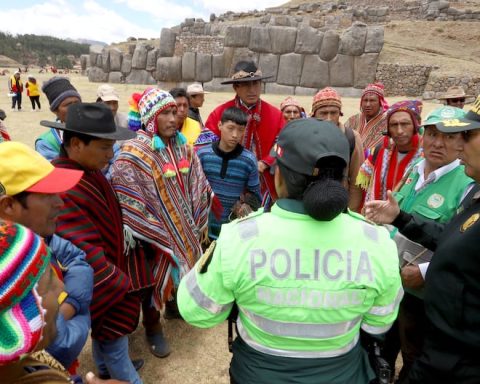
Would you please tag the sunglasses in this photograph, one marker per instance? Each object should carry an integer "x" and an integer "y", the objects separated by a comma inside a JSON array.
[{"x": 459, "y": 100}]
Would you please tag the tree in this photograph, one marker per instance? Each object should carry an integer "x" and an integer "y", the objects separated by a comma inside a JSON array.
[{"x": 62, "y": 61}]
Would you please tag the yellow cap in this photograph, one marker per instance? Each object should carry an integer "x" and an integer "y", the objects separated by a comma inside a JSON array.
[{"x": 23, "y": 169}]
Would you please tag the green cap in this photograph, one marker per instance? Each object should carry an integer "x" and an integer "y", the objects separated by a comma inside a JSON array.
[
  {"x": 443, "y": 113},
  {"x": 471, "y": 120},
  {"x": 304, "y": 141}
]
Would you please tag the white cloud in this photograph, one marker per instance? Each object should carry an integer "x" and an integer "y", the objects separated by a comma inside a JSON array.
[
  {"x": 222, "y": 6},
  {"x": 87, "y": 20}
]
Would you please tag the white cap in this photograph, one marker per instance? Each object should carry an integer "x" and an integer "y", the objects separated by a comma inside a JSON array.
[{"x": 195, "y": 89}]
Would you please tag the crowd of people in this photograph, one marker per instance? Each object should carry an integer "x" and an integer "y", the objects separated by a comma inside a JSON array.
[{"x": 318, "y": 239}]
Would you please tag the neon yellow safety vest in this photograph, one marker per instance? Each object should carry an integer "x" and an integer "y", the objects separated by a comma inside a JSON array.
[{"x": 304, "y": 288}]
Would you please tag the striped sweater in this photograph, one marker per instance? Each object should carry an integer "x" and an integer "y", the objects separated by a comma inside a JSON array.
[
  {"x": 91, "y": 220},
  {"x": 229, "y": 174}
]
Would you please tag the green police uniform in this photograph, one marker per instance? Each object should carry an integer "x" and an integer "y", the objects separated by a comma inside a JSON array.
[{"x": 304, "y": 288}]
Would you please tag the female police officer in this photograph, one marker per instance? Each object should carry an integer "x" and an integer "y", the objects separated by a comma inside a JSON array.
[{"x": 306, "y": 276}]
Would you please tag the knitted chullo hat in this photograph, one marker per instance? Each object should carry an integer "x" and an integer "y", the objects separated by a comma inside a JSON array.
[
  {"x": 326, "y": 97},
  {"x": 412, "y": 107},
  {"x": 377, "y": 89},
  {"x": 144, "y": 109},
  {"x": 23, "y": 259},
  {"x": 58, "y": 89}
]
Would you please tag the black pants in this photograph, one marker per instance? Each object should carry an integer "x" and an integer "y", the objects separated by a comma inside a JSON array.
[
  {"x": 17, "y": 100},
  {"x": 35, "y": 100}
]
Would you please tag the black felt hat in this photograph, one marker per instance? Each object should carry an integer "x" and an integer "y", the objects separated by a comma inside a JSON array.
[
  {"x": 245, "y": 71},
  {"x": 93, "y": 119}
]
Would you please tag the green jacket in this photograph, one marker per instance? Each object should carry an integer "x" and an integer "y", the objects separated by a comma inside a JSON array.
[{"x": 304, "y": 288}]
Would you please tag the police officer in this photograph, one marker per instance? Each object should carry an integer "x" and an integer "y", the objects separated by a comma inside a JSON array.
[
  {"x": 451, "y": 348},
  {"x": 306, "y": 277}
]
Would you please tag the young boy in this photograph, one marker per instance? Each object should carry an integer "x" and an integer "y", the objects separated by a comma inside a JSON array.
[{"x": 231, "y": 169}]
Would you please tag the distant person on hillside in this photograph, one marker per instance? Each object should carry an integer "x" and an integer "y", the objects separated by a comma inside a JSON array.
[
  {"x": 196, "y": 98},
  {"x": 60, "y": 94},
  {"x": 455, "y": 97},
  {"x": 33, "y": 93},
  {"x": 4, "y": 136},
  {"x": 15, "y": 86},
  {"x": 291, "y": 109}
]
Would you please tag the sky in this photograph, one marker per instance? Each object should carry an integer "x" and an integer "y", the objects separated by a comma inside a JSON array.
[{"x": 114, "y": 20}]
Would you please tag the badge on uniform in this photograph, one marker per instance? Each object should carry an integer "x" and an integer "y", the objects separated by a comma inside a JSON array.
[
  {"x": 435, "y": 201},
  {"x": 470, "y": 221},
  {"x": 204, "y": 262}
]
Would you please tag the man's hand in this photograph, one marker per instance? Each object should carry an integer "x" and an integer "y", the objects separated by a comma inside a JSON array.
[
  {"x": 412, "y": 277},
  {"x": 382, "y": 211},
  {"x": 262, "y": 166},
  {"x": 92, "y": 379}
]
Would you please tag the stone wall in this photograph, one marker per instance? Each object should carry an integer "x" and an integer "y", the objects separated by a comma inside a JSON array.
[
  {"x": 437, "y": 85},
  {"x": 405, "y": 80},
  {"x": 299, "y": 60},
  {"x": 195, "y": 43}
]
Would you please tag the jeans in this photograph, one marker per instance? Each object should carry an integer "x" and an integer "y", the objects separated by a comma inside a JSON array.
[
  {"x": 112, "y": 357},
  {"x": 17, "y": 100}
]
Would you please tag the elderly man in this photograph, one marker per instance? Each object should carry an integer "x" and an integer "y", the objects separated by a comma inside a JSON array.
[
  {"x": 432, "y": 189},
  {"x": 371, "y": 122},
  {"x": 196, "y": 98},
  {"x": 264, "y": 123},
  {"x": 387, "y": 163},
  {"x": 452, "y": 340},
  {"x": 327, "y": 105},
  {"x": 455, "y": 97},
  {"x": 291, "y": 109}
]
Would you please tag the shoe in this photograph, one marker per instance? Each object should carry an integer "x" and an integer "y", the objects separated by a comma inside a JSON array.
[
  {"x": 158, "y": 345},
  {"x": 137, "y": 364},
  {"x": 171, "y": 311}
]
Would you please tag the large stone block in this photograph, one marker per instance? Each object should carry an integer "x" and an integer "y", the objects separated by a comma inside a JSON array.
[
  {"x": 96, "y": 75},
  {"x": 365, "y": 69},
  {"x": 167, "y": 43},
  {"x": 152, "y": 60},
  {"x": 260, "y": 40},
  {"x": 219, "y": 69},
  {"x": 94, "y": 52},
  {"x": 277, "y": 89},
  {"x": 268, "y": 64},
  {"x": 353, "y": 40},
  {"x": 237, "y": 36},
  {"x": 140, "y": 76},
  {"x": 240, "y": 54},
  {"x": 290, "y": 69},
  {"x": 188, "y": 66},
  {"x": 375, "y": 39},
  {"x": 341, "y": 71},
  {"x": 139, "y": 59},
  {"x": 116, "y": 77},
  {"x": 169, "y": 69},
  {"x": 99, "y": 62},
  {"x": 303, "y": 91},
  {"x": 203, "y": 72},
  {"x": 126, "y": 64},
  {"x": 84, "y": 62},
  {"x": 106, "y": 60},
  {"x": 315, "y": 72},
  {"x": 283, "y": 39},
  {"x": 309, "y": 40},
  {"x": 329, "y": 45},
  {"x": 349, "y": 92},
  {"x": 115, "y": 59},
  {"x": 216, "y": 86}
]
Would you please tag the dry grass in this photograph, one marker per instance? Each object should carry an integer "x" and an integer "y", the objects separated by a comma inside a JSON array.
[{"x": 199, "y": 356}]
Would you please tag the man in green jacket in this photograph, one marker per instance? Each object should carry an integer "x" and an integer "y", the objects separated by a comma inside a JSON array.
[{"x": 306, "y": 277}]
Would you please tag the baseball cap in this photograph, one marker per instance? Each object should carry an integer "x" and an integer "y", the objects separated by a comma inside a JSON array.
[
  {"x": 303, "y": 142},
  {"x": 467, "y": 123},
  {"x": 23, "y": 169},
  {"x": 107, "y": 93},
  {"x": 195, "y": 89},
  {"x": 443, "y": 113}
]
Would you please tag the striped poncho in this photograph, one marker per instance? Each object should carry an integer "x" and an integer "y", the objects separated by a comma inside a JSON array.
[
  {"x": 91, "y": 219},
  {"x": 165, "y": 199}
]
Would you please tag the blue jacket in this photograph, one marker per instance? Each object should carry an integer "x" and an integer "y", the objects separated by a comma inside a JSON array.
[{"x": 78, "y": 280}]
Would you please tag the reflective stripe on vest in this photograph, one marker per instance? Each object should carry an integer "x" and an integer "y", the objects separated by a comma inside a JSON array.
[
  {"x": 293, "y": 353},
  {"x": 387, "y": 309},
  {"x": 200, "y": 298},
  {"x": 301, "y": 330},
  {"x": 375, "y": 330}
]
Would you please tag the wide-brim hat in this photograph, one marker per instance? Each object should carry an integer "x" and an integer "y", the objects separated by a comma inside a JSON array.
[
  {"x": 469, "y": 122},
  {"x": 92, "y": 119},
  {"x": 196, "y": 89},
  {"x": 454, "y": 92},
  {"x": 245, "y": 71}
]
